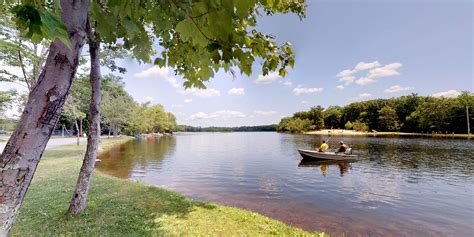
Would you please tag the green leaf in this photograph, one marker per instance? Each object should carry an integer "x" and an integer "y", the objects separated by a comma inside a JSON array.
[
  {"x": 243, "y": 6},
  {"x": 130, "y": 27},
  {"x": 282, "y": 72},
  {"x": 160, "y": 62},
  {"x": 53, "y": 28},
  {"x": 189, "y": 32}
]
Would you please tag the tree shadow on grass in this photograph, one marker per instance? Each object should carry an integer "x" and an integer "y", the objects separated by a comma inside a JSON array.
[{"x": 115, "y": 207}]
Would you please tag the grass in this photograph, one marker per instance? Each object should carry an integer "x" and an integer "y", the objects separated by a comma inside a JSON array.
[{"x": 119, "y": 207}]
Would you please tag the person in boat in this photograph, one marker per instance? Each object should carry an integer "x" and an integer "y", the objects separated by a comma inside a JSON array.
[
  {"x": 342, "y": 147},
  {"x": 323, "y": 147}
]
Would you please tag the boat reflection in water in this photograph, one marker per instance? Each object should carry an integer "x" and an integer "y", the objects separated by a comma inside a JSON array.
[{"x": 324, "y": 165}]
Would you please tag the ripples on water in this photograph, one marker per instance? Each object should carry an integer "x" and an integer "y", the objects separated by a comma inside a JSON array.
[{"x": 400, "y": 187}]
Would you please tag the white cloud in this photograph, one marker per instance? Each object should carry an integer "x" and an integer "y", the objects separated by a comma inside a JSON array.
[
  {"x": 160, "y": 73},
  {"x": 304, "y": 102},
  {"x": 188, "y": 100},
  {"x": 340, "y": 87},
  {"x": 264, "y": 113},
  {"x": 286, "y": 82},
  {"x": 365, "y": 80},
  {"x": 347, "y": 80},
  {"x": 154, "y": 71},
  {"x": 345, "y": 73},
  {"x": 177, "y": 106},
  {"x": 224, "y": 114},
  {"x": 236, "y": 91},
  {"x": 148, "y": 99},
  {"x": 172, "y": 82},
  {"x": 178, "y": 113},
  {"x": 376, "y": 70},
  {"x": 447, "y": 94},
  {"x": 397, "y": 88},
  {"x": 361, "y": 66},
  {"x": 271, "y": 77},
  {"x": 385, "y": 71},
  {"x": 199, "y": 115},
  {"x": 210, "y": 92},
  {"x": 360, "y": 96},
  {"x": 305, "y": 90}
]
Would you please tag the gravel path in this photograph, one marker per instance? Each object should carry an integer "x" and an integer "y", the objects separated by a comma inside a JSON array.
[{"x": 54, "y": 142}]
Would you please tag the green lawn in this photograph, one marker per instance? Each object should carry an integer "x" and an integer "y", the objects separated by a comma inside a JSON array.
[{"x": 119, "y": 207}]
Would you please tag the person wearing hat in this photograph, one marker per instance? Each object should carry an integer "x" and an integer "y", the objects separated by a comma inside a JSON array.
[{"x": 342, "y": 147}]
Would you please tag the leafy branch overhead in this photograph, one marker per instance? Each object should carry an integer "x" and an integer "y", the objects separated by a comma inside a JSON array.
[{"x": 196, "y": 38}]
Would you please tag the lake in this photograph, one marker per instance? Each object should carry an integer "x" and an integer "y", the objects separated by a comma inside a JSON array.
[{"x": 399, "y": 186}]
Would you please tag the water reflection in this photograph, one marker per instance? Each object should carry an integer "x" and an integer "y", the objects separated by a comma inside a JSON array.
[
  {"x": 397, "y": 187},
  {"x": 343, "y": 166},
  {"x": 137, "y": 157}
]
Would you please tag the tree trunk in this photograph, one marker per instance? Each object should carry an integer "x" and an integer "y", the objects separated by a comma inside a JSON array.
[
  {"x": 25, "y": 147},
  {"x": 80, "y": 127},
  {"x": 115, "y": 130},
  {"x": 110, "y": 129},
  {"x": 78, "y": 202},
  {"x": 77, "y": 128}
]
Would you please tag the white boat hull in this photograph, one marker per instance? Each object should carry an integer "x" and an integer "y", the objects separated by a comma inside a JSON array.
[{"x": 311, "y": 154}]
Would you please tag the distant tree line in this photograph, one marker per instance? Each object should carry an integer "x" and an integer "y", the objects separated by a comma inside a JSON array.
[
  {"x": 412, "y": 113},
  {"x": 260, "y": 128}
]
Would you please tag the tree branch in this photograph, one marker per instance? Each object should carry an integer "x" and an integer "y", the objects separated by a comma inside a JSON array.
[{"x": 23, "y": 67}]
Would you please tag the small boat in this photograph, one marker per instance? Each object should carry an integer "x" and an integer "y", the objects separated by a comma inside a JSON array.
[{"x": 312, "y": 154}]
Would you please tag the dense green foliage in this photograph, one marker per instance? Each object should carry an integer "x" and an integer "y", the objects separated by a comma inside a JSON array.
[
  {"x": 150, "y": 119},
  {"x": 303, "y": 121},
  {"x": 120, "y": 112},
  {"x": 260, "y": 128},
  {"x": 7, "y": 124},
  {"x": 295, "y": 125},
  {"x": 196, "y": 38},
  {"x": 119, "y": 207},
  {"x": 7, "y": 99},
  {"x": 412, "y": 113}
]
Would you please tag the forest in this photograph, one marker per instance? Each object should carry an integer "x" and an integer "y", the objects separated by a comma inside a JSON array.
[
  {"x": 121, "y": 114},
  {"x": 259, "y": 128},
  {"x": 411, "y": 113}
]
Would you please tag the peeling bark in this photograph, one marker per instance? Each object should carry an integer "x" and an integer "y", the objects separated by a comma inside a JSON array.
[
  {"x": 25, "y": 147},
  {"x": 79, "y": 199}
]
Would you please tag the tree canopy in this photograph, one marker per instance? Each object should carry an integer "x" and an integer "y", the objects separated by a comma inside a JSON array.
[
  {"x": 195, "y": 38},
  {"x": 410, "y": 113}
]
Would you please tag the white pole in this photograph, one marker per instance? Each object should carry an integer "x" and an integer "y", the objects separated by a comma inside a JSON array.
[{"x": 468, "y": 126}]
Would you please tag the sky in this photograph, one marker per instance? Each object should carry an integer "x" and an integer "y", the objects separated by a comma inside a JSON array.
[{"x": 346, "y": 51}]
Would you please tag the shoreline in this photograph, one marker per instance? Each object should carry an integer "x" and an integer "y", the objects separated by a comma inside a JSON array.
[
  {"x": 344, "y": 132},
  {"x": 123, "y": 207}
]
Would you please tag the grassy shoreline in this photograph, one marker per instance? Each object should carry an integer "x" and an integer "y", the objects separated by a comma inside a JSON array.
[
  {"x": 343, "y": 132},
  {"x": 118, "y": 207}
]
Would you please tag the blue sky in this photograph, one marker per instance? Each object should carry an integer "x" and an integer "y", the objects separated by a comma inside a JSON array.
[{"x": 370, "y": 49}]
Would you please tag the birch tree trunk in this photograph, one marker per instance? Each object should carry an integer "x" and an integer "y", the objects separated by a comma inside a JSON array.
[
  {"x": 25, "y": 147},
  {"x": 77, "y": 135},
  {"x": 80, "y": 127},
  {"x": 78, "y": 202}
]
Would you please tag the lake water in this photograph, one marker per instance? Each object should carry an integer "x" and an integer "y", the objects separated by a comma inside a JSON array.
[{"x": 399, "y": 187}]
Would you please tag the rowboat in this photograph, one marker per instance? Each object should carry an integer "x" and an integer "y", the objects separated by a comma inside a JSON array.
[{"x": 312, "y": 154}]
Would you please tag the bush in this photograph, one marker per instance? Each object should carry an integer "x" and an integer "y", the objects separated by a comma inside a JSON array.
[
  {"x": 348, "y": 125},
  {"x": 360, "y": 126}
]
